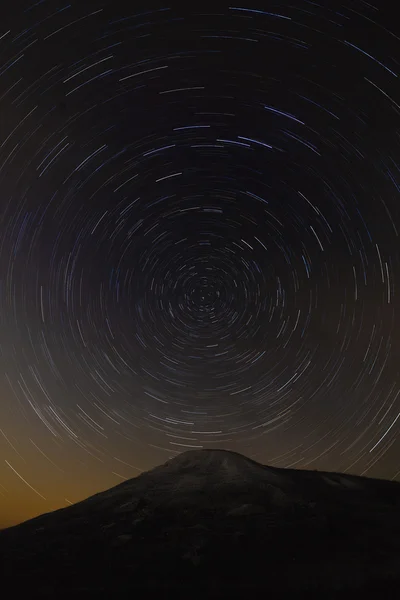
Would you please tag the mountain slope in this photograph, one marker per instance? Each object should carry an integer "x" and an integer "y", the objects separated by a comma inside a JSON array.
[{"x": 213, "y": 521}]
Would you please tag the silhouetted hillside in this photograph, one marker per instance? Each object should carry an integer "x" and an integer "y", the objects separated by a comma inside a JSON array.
[{"x": 213, "y": 522}]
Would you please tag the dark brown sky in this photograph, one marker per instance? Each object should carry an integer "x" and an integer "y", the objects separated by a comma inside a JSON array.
[{"x": 199, "y": 246}]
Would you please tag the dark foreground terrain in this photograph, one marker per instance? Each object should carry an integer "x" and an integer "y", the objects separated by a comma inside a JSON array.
[{"x": 212, "y": 523}]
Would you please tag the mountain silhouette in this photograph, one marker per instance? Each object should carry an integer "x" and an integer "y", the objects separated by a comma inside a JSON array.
[{"x": 214, "y": 523}]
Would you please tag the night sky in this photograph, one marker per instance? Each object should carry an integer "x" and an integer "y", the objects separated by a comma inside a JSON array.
[{"x": 199, "y": 240}]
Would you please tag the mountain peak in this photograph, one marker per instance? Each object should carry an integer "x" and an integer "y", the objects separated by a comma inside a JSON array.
[
  {"x": 214, "y": 519},
  {"x": 210, "y": 457},
  {"x": 207, "y": 467}
]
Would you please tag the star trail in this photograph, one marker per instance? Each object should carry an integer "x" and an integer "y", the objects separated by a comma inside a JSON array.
[{"x": 199, "y": 240}]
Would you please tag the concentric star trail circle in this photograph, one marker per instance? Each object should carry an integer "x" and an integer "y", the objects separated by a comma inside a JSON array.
[{"x": 199, "y": 240}]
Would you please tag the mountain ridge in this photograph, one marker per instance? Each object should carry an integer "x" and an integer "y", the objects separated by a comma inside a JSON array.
[{"x": 215, "y": 519}]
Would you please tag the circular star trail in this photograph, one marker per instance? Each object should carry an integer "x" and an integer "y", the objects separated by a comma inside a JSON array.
[{"x": 199, "y": 240}]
